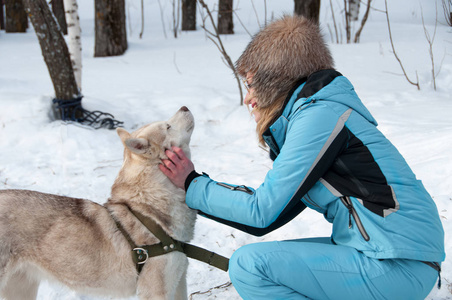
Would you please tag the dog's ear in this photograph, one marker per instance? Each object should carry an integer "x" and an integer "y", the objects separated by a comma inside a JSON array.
[
  {"x": 137, "y": 146},
  {"x": 123, "y": 134}
]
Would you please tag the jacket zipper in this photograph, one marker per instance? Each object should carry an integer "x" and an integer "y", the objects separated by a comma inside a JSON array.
[
  {"x": 240, "y": 188},
  {"x": 310, "y": 201},
  {"x": 352, "y": 213}
]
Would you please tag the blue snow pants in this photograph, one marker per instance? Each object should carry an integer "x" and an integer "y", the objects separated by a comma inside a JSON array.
[{"x": 317, "y": 269}]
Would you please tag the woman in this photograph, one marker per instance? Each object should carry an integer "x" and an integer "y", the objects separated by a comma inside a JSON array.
[{"x": 387, "y": 240}]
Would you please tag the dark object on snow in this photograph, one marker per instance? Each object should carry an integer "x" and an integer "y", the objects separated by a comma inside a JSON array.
[{"x": 69, "y": 110}]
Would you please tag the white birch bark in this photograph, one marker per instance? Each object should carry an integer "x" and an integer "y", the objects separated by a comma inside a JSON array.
[
  {"x": 354, "y": 9},
  {"x": 74, "y": 38}
]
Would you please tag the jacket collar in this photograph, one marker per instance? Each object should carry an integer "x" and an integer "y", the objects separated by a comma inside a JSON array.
[{"x": 275, "y": 135}]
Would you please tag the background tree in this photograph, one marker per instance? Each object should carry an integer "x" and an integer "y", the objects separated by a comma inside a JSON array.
[
  {"x": 214, "y": 36},
  {"x": 54, "y": 51},
  {"x": 363, "y": 21},
  {"x": 308, "y": 8},
  {"x": 354, "y": 9},
  {"x": 74, "y": 39},
  {"x": 176, "y": 16},
  {"x": 447, "y": 7},
  {"x": 110, "y": 27},
  {"x": 188, "y": 14},
  {"x": 2, "y": 15},
  {"x": 225, "y": 22},
  {"x": 58, "y": 12},
  {"x": 16, "y": 18},
  {"x": 350, "y": 11}
]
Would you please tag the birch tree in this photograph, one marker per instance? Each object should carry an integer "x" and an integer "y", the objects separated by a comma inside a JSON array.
[
  {"x": 74, "y": 39},
  {"x": 354, "y": 9}
]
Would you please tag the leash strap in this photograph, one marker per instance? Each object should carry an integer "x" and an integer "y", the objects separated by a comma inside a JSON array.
[{"x": 211, "y": 258}]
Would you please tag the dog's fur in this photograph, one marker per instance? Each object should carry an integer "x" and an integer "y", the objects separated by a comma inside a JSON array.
[
  {"x": 77, "y": 242},
  {"x": 282, "y": 53}
]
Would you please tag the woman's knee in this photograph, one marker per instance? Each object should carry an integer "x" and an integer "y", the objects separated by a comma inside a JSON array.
[
  {"x": 241, "y": 260},
  {"x": 247, "y": 261}
]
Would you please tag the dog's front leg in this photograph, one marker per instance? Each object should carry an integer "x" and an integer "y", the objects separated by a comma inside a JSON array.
[
  {"x": 161, "y": 277},
  {"x": 181, "y": 290}
]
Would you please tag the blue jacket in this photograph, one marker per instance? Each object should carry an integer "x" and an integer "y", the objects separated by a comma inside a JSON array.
[{"x": 329, "y": 156}]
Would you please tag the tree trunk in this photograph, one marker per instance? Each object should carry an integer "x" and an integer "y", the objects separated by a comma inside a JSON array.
[
  {"x": 354, "y": 9},
  {"x": 188, "y": 14},
  {"x": 111, "y": 36},
  {"x": 308, "y": 8},
  {"x": 16, "y": 17},
  {"x": 2, "y": 16},
  {"x": 74, "y": 39},
  {"x": 225, "y": 23},
  {"x": 54, "y": 49},
  {"x": 347, "y": 21},
  {"x": 58, "y": 12}
]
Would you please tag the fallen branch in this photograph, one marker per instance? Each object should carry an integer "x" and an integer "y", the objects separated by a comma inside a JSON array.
[{"x": 209, "y": 291}]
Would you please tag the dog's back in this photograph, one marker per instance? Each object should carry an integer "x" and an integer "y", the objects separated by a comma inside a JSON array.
[{"x": 41, "y": 233}]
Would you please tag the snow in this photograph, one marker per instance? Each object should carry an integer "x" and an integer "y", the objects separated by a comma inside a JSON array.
[{"x": 159, "y": 74}]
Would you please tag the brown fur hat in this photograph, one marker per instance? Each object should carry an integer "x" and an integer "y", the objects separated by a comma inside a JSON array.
[{"x": 282, "y": 53}]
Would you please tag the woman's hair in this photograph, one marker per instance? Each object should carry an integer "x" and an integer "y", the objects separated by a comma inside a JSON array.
[
  {"x": 278, "y": 56},
  {"x": 268, "y": 116}
]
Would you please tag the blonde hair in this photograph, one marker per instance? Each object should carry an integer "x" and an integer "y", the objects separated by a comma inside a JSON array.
[{"x": 268, "y": 115}]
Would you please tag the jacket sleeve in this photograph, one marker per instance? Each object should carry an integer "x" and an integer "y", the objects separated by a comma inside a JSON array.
[{"x": 314, "y": 138}]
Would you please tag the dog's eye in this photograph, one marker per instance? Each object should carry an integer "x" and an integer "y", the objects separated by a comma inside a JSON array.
[{"x": 168, "y": 126}]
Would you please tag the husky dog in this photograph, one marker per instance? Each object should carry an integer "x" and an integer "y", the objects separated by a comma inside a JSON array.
[{"x": 77, "y": 242}]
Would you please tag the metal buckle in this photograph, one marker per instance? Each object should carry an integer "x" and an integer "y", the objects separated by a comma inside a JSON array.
[{"x": 141, "y": 253}]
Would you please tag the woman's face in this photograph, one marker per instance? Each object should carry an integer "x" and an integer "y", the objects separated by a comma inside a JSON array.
[{"x": 250, "y": 99}]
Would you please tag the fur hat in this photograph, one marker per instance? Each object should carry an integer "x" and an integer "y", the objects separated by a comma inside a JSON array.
[{"x": 282, "y": 53}]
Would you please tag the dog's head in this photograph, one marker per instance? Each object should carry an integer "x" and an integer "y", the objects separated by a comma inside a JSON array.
[{"x": 151, "y": 141}]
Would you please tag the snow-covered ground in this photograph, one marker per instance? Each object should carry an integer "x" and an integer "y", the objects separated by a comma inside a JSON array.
[{"x": 159, "y": 74}]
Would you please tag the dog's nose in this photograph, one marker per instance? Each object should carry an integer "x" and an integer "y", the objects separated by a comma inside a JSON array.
[{"x": 184, "y": 108}]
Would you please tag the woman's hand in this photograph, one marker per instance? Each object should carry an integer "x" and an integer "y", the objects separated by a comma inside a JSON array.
[{"x": 177, "y": 167}]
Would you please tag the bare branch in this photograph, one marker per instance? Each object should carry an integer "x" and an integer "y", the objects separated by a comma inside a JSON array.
[
  {"x": 161, "y": 17},
  {"x": 373, "y": 8},
  {"x": 363, "y": 22},
  {"x": 142, "y": 19},
  {"x": 255, "y": 12},
  {"x": 334, "y": 22},
  {"x": 347, "y": 21},
  {"x": 430, "y": 41},
  {"x": 175, "y": 64},
  {"x": 395, "y": 53},
  {"x": 241, "y": 23},
  {"x": 447, "y": 8},
  {"x": 220, "y": 46}
]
